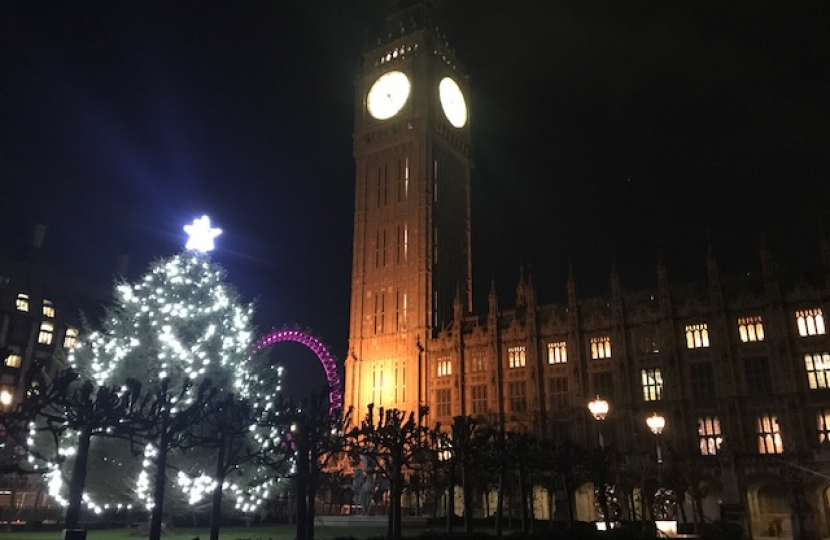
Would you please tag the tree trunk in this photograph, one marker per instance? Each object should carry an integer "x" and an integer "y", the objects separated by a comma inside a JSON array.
[
  {"x": 76, "y": 484},
  {"x": 302, "y": 482},
  {"x": 468, "y": 498},
  {"x": 450, "y": 504},
  {"x": 566, "y": 489},
  {"x": 396, "y": 488},
  {"x": 500, "y": 505},
  {"x": 523, "y": 498},
  {"x": 161, "y": 480},
  {"x": 314, "y": 475},
  {"x": 216, "y": 506}
]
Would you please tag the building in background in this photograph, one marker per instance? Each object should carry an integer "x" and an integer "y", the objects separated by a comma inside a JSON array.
[
  {"x": 40, "y": 321},
  {"x": 738, "y": 368}
]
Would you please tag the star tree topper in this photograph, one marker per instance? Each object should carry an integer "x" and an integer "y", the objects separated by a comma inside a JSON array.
[{"x": 201, "y": 235}]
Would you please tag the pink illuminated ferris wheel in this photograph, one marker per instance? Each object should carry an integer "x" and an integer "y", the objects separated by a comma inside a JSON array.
[{"x": 311, "y": 341}]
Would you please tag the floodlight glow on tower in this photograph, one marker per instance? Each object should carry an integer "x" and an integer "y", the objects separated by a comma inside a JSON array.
[{"x": 201, "y": 235}]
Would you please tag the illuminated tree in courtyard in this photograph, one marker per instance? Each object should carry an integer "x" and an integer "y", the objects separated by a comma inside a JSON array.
[{"x": 178, "y": 331}]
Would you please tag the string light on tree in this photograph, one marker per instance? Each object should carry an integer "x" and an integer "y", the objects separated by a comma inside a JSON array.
[{"x": 181, "y": 323}]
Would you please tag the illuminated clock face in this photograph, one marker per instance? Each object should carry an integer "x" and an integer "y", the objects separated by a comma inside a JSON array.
[
  {"x": 452, "y": 101},
  {"x": 388, "y": 95}
]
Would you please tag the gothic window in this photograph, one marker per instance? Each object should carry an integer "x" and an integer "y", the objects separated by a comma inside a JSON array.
[
  {"x": 71, "y": 338},
  {"x": 702, "y": 380},
  {"x": 444, "y": 366},
  {"x": 603, "y": 384},
  {"x": 22, "y": 302},
  {"x": 48, "y": 309},
  {"x": 559, "y": 396},
  {"x": 405, "y": 241},
  {"x": 823, "y": 426},
  {"x": 518, "y": 398},
  {"x": 769, "y": 435},
  {"x": 377, "y": 383},
  {"x": 708, "y": 430},
  {"x": 477, "y": 362},
  {"x": 384, "y": 250},
  {"x": 601, "y": 347},
  {"x": 443, "y": 402},
  {"x": 757, "y": 374},
  {"x": 377, "y": 249},
  {"x": 751, "y": 329},
  {"x": 378, "y": 316},
  {"x": 818, "y": 370},
  {"x": 810, "y": 322},
  {"x": 398, "y": 244},
  {"x": 13, "y": 360},
  {"x": 47, "y": 332},
  {"x": 557, "y": 353},
  {"x": 400, "y": 381},
  {"x": 516, "y": 357},
  {"x": 479, "y": 393},
  {"x": 647, "y": 340},
  {"x": 697, "y": 336},
  {"x": 652, "y": 381}
]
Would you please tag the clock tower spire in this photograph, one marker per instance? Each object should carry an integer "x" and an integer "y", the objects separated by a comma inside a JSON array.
[{"x": 411, "y": 246}]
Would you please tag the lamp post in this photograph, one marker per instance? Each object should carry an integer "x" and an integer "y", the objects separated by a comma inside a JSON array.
[
  {"x": 656, "y": 424},
  {"x": 665, "y": 506},
  {"x": 599, "y": 409}
]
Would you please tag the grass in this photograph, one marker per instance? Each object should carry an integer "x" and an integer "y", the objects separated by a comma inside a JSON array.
[{"x": 268, "y": 532}]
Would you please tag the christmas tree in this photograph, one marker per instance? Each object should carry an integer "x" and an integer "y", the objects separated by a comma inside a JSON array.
[{"x": 177, "y": 331}]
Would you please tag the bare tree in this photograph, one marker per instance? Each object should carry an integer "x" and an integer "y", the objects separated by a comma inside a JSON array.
[
  {"x": 66, "y": 404},
  {"x": 390, "y": 440}
]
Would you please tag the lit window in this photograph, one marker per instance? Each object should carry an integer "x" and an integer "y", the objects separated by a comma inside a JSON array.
[
  {"x": 13, "y": 360},
  {"x": 71, "y": 338},
  {"x": 47, "y": 332},
  {"x": 708, "y": 429},
  {"x": 477, "y": 362},
  {"x": 479, "y": 399},
  {"x": 48, "y": 309},
  {"x": 818, "y": 370},
  {"x": 810, "y": 322},
  {"x": 443, "y": 402},
  {"x": 652, "y": 384},
  {"x": 769, "y": 435},
  {"x": 559, "y": 396},
  {"x": 823, "y": 426},
  {"x": 22, "y": 303},
  {"x": 444, "y": 366},
  {"x": 516, "y": 357},
  {"x": 751, "y": 329},
  {"x": 400, "y": 381},
  {"x": 517, "y": 395},
  {"x": 600, "y": 347},
  {"x": 377, "y": 383},
  {"x": 557, "y": 353},
  {"x": 697, "y": 336},
  {"x": 6, "y": 396}
]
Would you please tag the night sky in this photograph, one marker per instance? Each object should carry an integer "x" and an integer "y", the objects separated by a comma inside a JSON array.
[{"x": 602, "y": 130}]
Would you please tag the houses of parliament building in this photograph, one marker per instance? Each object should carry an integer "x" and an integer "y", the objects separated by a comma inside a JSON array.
[{"x": 739, "y": 368}]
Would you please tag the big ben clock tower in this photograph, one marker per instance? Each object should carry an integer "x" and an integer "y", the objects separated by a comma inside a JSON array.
[{"x": 411, "y": 251}]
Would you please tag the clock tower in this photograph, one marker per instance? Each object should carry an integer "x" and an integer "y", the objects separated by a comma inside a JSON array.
[{"x": 411, "y": 249}]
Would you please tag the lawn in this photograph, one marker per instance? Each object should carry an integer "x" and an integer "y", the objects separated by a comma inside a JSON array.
[{"x": 272, "y": 532}]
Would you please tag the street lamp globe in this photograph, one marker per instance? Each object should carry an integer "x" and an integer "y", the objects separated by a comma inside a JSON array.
[
  {"x": 656, "y": 423},
  {"x": 599, "y": 408}
]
